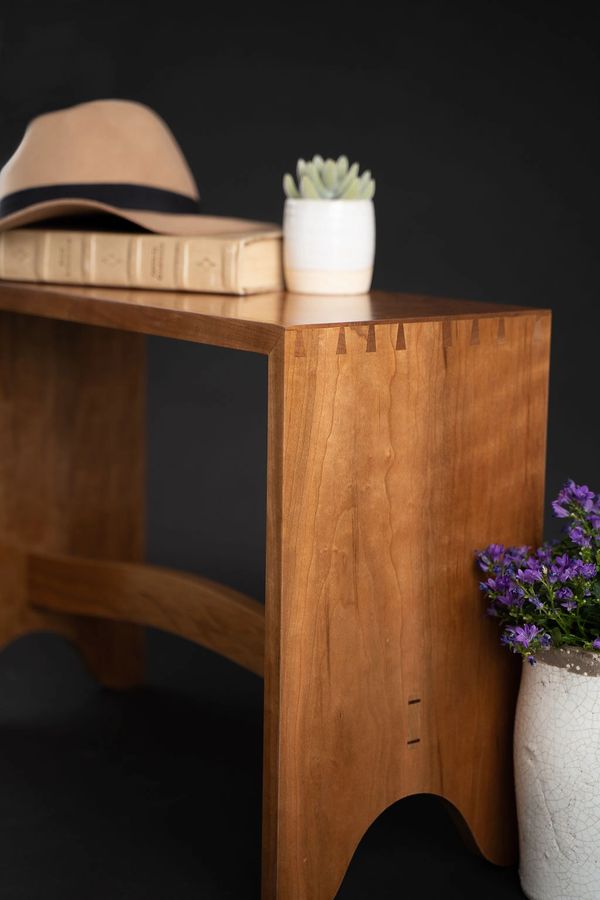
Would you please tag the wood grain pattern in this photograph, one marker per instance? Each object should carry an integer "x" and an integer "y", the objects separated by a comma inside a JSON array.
[
  {"x": 196, "y": 608},
  {"x": 404, "y": 433},
  {"x": 383, "y": 675},
  {"x": 71, "y": 470},
  {"x": 245, "y": 323}
]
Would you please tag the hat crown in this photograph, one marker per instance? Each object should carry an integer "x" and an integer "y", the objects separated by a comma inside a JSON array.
[{"x": 102, "y": 141}]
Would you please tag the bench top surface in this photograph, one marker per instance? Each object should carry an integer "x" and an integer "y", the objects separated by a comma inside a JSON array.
[{"x": 252, "y": 322}]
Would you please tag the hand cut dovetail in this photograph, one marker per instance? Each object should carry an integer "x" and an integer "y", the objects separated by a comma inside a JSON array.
[
  {"x": 400, "y": 338},
  {"x": 371, "y": 341}
]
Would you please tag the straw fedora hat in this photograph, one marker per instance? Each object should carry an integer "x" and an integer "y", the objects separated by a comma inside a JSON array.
[{"x": 112, "y": 156}]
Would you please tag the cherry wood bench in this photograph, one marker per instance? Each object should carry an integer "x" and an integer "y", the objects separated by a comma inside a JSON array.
[{"x": 404, "y": 433}]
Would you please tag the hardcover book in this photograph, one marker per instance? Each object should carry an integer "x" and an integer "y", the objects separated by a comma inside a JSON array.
[{"x": 231, "y": 263}]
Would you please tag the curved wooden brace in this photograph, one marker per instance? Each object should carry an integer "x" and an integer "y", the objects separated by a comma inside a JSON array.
[
  {"x": 193, "y": 607},
  {"x": 113, "y": 652}
]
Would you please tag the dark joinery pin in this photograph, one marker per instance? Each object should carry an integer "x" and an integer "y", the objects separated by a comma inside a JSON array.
[{"x": 400, "y": 338}]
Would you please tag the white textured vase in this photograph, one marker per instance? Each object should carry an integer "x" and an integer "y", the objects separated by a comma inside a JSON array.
[
  {"x": 328, "y": 246},
  {"x": 557, "y": 776}
]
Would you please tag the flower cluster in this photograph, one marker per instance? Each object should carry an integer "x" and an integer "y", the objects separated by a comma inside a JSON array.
[{"x": 549, "y": 596}]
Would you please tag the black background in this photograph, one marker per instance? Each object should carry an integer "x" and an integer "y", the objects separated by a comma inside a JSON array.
[{"x": 480, "y": 124}]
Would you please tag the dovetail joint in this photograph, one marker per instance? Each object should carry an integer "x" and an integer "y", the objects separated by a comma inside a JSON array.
[{"x": 371, "y": 341}]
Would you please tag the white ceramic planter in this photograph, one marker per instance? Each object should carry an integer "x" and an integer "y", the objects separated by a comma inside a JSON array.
[
  {"x": 328, "y": 246},
  {"x": 557, "y": 776}
]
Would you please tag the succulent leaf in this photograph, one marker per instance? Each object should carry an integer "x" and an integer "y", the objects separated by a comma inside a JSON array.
[
  {"x": 363, "y": 183},
  {"x": 308, "y": 189},
  {"x": 342, "y": 165},
  {"x": 352, "y": 191},
  {"x": 314, "y": 173},
  {"x": 329, "y": 174},
  {"x": 329, "y": 179},
  {"x": 368, "y": 191},
  {"x": 289, "y": 186},
  {"x": 348, "y": 177}
]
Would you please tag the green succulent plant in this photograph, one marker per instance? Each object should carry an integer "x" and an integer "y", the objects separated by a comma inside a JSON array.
[{"x": 329, "y": 179}]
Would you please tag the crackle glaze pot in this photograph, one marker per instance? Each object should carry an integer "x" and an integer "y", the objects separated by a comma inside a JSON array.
[
  {"x": 557, "y": 776},
  {"x": 328, "y": 246}
]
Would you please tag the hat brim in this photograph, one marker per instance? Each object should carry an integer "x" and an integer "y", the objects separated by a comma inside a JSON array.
[{"x": 160, "y": 223}]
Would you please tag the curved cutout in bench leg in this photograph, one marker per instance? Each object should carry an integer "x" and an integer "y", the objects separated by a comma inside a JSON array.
[
  {"x": 482, "y": 836},
  {"x": 498, "y": 846}
]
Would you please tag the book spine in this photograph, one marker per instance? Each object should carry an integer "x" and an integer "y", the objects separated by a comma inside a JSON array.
[{"x": 122, "y": 260}]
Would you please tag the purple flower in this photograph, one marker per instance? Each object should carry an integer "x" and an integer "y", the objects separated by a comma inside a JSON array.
[
  {"x": 544, "y": 554},
  {"x": 522, "y": 584},
  {"x": 565, "y": 568},
  {"x": 576, "y": 493},
  {"x": 503, "y": 591},
  {"x": 582, "y": 495},
  {"x": 578, "y": 536},
  {"x": 563, "y": 560},
  {"x": 572, "y": 493},
  {"x": 569, "y": 605},
  {"x": 584, "y": 570},
  {"x": 507, "y": 636},
  {"x": 532, "y": 573},
  {"x": 517, "y": 555},
  {"x": 500, "y": 583},
  {"x": 491, "y": 556},
  {"x": 513, "y": 597},
  {"x": 495, "y": 552},
  {"x": 524, "y": 634},
  {"x": 561, "y": 569},
  {"x": 559, "y": 510}
]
